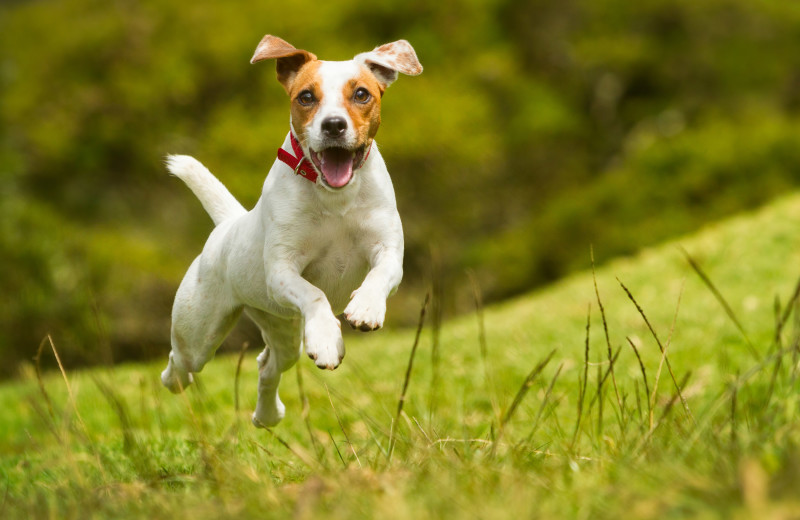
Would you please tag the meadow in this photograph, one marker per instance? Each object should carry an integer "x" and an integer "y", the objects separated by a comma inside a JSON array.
[{"x": 663, "y": 385}]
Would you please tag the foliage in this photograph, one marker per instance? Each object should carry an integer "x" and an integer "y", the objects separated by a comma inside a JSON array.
[
  {"x": 538, "y": 128},
  {"x": 575, "y": 442}
]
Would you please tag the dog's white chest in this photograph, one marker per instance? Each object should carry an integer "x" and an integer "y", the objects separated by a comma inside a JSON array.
[{"x": 337, "y": 263}]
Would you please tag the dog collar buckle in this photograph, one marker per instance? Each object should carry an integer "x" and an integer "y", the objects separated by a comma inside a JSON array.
[{"x": 298, "y": 162}]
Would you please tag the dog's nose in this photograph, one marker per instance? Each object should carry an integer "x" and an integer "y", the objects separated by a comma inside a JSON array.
[{"x": 334, "y": 126}]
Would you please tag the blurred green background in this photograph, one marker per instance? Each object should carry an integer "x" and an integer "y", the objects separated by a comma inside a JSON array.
[{"x": 538, "y": 128}]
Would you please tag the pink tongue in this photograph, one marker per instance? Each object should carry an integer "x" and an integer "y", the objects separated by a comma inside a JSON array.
[{"x": 337, "y": 166}]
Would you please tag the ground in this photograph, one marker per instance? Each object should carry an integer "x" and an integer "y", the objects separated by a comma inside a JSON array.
[{"x": 505, "y": 411}]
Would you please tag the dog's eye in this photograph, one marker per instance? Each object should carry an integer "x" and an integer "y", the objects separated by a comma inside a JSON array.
[
  {"x": 362, "y": 95},
  {"x": 306, "y": 98}
]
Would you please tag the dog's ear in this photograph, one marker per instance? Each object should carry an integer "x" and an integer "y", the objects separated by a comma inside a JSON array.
[
  {"x": 389, "y": 59},
  {"x": 289, "y": 58}
]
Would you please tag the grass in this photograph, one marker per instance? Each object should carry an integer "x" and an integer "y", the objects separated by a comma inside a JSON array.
[{"x": 664, "y": 385}]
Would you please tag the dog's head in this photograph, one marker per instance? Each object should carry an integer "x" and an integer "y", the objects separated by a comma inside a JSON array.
[{"x": 336, "y": 105}]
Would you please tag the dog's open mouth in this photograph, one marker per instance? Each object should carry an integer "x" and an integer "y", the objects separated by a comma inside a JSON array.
[{"x": 337, "y": 164}]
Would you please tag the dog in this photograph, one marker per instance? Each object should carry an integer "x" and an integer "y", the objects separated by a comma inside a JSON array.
[{"x": 325, "y": 237}]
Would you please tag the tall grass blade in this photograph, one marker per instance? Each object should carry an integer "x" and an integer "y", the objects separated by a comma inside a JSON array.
[
  {"x": 336, "y": 447},
  {"x": 582, "y": 387},
  {"x": 644, "y": 374},
  {"x": 422, "y": 430},
  {"x": 545, "y": 401},
  {"x": 602, "y": 377},
  {"x": 605, "y": 329},
  {"x": 638, "y": 400},
  {"x": 664, "y": 357},
  {"x": 674, "y": 398},
  {"x": 526, "y": 385},
  {"x": 791, "y": 306},
  {"x": 722, "y": 301},
  {"x": 407, "y": 379},
  {"x": 71, "y": 395},
  {"x": 599, "y": 397},
  {"x": 781, "y": 318},
  {"x": 74, "y": 403},
  {"x": 523, "y": 390},
  {"x": 38, "y": 364},
  {"x": 778, "y": 345},
  {"x": 341, "y": 427},
  {"x": 654, "y": 425}
]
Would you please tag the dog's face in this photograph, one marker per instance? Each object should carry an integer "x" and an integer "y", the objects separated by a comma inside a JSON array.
[
  {"x": 336, "y": 105},
  {"x": 335, "y": 113}
]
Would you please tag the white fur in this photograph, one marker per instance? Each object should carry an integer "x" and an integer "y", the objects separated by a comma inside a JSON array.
[
  {"x": 301, "y": 256},
  {"x": 336, "y": 74}
]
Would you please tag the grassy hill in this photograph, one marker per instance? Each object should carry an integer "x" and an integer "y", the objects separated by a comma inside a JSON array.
[{"x": 493, "y": 425}]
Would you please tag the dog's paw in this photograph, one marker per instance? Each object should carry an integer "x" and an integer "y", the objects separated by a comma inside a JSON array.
[
  {"x": 266, "y": 416},
  {"x": 176, "y": 380},
  {"x": 324, "y": 343},
  {"x": 366, "y": 311}
]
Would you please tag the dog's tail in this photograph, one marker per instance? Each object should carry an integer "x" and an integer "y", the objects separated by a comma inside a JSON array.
[{"x": 213, "y": 195}]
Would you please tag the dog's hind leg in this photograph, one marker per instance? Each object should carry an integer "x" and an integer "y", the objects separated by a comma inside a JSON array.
[
  {"x": 281, "y": 351},
  {"x": 202, "y": 315}
]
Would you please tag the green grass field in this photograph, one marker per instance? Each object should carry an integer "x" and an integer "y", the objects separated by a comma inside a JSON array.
[{"x": 492, "y": 425}]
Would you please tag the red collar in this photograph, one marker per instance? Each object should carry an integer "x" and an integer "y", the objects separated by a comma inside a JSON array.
[
  {"x": 300, "y": 164},
  {"x": 298, "y": 161}
]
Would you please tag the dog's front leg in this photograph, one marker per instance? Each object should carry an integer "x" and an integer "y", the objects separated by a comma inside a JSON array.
[
  {"x": 322, "y": 332},
  {"x": 367, "y": 308}
]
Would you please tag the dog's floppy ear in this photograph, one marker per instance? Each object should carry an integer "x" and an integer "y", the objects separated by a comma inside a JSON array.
[
  {"x": 288, "y": 57},
  {"x": 389, "y": 59}
]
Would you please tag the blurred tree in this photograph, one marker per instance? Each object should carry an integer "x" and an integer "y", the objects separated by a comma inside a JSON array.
[{"x": 538, "y": 128}]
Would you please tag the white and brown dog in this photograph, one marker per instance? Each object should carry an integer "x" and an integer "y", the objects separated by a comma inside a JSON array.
[{"x": 324, "y": 238}]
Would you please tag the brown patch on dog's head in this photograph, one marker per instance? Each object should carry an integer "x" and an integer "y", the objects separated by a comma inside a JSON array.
[
  {"x": 362, "y": 96},
  {"x": 290, "y": 60},
  {"x": 306, "y": 94}
]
